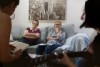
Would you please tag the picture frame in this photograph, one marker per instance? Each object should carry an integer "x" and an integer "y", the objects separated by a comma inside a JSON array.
[{"x": 47, "y": 9}]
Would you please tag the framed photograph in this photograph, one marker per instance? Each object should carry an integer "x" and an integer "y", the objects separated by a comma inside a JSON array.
[{"x": 47, "y": 9}]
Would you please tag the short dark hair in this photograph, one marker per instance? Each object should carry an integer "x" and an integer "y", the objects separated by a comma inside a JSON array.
[
  {"x": 4, "y": 3},
  {"x": 92, "y": 11},
  {"x": 37, "y": 22}
]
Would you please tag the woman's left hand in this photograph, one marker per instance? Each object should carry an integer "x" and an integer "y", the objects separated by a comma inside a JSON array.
[{"x": 12, "y": 48}]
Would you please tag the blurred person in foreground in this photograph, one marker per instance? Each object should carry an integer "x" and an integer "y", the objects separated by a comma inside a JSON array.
[
  {"x": 92, "y": 20},
  {"x": 7, "y": 7}
]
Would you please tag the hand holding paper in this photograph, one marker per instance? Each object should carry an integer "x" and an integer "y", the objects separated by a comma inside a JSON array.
[{"x": 19, "y": 45}]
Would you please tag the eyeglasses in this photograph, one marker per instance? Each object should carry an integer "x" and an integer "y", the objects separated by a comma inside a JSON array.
[
  {"x": 34, "y": 23},
  {"x": 57, "y": 24}
]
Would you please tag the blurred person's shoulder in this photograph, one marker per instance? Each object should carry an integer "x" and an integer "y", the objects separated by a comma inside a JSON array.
[
  {"x": 5, "y": 22},
  {"x": 4, "y": 18}
]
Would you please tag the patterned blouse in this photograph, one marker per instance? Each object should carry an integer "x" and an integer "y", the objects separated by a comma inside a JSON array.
[{"x": 60, "y": 40}]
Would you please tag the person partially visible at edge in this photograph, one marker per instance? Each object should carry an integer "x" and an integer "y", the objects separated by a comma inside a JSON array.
[
  {"x": 31, "y": 35},
  {"x": 7, "y": 7},
  {"x": 92, "y": 20},
  {"x": 83, "y": 16}
]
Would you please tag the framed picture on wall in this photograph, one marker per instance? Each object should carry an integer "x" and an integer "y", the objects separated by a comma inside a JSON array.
[{"x": 47, "y": 9}]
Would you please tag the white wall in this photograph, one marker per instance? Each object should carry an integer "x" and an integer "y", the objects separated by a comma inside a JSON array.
[{"x": 74, "y": 10}]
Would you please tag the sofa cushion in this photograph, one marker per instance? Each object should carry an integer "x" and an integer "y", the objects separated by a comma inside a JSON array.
[
  {"x": 69, "y": 29},
  {"x": 17, "y": 31},
  {"x": 43, "y": 34}
]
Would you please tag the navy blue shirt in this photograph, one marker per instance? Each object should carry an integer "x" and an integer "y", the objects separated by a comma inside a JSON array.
[{"x": 96, "y": 47}]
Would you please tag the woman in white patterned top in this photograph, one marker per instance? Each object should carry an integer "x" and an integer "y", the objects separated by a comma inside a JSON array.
[{"x": 55, "y": 38}]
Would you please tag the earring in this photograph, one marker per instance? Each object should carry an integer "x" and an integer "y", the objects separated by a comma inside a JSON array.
[{"x": 12, "y": 16}]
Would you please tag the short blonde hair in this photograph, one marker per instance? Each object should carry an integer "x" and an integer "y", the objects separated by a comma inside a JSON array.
[{"x": 58, "y": 21}]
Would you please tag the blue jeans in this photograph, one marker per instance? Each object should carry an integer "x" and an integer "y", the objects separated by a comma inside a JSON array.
[
  {"x": 40, "y": 49},
  {"x": 50, "y": 48},
  {"x": 46, "y": 49},
  {"x": 79, "y": 62}
]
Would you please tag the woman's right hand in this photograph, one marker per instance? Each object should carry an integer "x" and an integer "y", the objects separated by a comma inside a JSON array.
[{"x": 17, "y": 54}]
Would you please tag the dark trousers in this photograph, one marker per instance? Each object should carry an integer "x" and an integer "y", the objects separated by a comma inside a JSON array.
[
  {"x": 31, "y": 42},
  {"x": 47, "y": 49}
]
